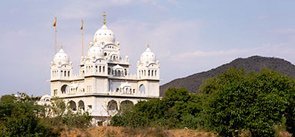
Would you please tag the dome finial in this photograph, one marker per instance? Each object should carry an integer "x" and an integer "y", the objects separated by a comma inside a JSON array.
[{"x": 104, "y": 15}]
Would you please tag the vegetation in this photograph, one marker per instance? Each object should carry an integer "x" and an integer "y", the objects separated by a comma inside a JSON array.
[
  {"x": 257, "y": 104},
  {"x": 230, "y": 104},
  {"x": 21, "y": 116},
  {"x": 178, "y": 109}
]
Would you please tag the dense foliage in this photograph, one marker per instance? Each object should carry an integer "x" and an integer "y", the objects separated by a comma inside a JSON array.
[
  {"x": 21, "y": 116},
  {"x": 249, "y": 101},
  {"x": 178, "y": 109},
  {"x": 232, "y": 103}
]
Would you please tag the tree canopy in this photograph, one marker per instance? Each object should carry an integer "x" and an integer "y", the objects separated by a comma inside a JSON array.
[
  {"x": 21, "y": 116},
  {"x": 232, "y": 103}
]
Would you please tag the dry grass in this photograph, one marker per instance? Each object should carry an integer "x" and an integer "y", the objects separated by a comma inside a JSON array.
[{"x": 128, "y": 132}]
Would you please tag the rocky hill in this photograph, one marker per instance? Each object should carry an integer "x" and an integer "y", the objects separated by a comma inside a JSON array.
[{"x": 254, "y": 63}]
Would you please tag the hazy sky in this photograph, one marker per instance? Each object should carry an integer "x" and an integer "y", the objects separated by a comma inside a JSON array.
[{"x": 188, "y": 36}]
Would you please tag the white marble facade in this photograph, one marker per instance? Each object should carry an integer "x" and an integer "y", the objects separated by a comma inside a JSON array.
[{"x": 104, "y": 81}]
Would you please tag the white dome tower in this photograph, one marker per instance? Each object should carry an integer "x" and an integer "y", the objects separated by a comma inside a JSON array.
[
  {"x": 148, "y": 73},
  {"x": 61, "y": 70},
  {"x": 148, "y": 66}
]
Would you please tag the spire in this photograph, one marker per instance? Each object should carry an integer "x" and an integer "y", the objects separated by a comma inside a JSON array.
[{"x": 104, "y": 15}]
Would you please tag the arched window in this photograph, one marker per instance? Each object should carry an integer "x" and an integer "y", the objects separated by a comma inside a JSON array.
[
  {"x": 65, "y": 73},
  {"x": 99, "y": 68},
  {"x": 142, "y": 89},
  {"x": 69, "y": 73},
  {"x": 72, "y": 105},
  {"x": 149, "y": 72},
  {"x": 103, "y": 69},
  {"x": 81, "y": 105},
  {"x": 119, "y": 73},
  {"x": 126, "y": 105},
  {"x": 112, "y": 105},
  {"x": 64, "y": 89}
]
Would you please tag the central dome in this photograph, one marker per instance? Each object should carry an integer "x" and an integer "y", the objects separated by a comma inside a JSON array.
[
  {"x": 95, "y": 52},
  {"x": 104, "y": 35}
]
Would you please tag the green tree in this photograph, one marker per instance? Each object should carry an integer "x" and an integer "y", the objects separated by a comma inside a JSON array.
[
  {"x": 177, "y": 109},
  {"x": 19, "y": 116},
  {"x": 240, "y": 101}
]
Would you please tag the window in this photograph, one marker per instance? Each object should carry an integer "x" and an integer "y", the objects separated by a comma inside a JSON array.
[
  {"x": 55, "y": 92},
  {"x": 64, "y": 89},
  {"x": 141, "y": 88}
]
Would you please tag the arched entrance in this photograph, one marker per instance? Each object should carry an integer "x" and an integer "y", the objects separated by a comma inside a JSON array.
[
  {"x": 64, "y": 89},
  {"x": 112, "y": 105},
  {"x": 141, "y": 89},
  {"x": 72, "y": 105},
  {"x": 81, "y": 105},
  {"x": 126, "y": 105}
]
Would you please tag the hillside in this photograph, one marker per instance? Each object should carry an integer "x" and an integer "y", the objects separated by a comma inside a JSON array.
[{"x": 254, "y": 63}]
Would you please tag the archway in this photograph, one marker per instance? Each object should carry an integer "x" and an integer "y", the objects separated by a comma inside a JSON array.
[
  {"x": 126, "y": 105},
  {"x": 81, "y": 105},
  {"x": 72, "y": 105},
  {"x": 64, "y": 89},
  {"x": 142, "y": 89},
  {"x": 112, "y": 105}
]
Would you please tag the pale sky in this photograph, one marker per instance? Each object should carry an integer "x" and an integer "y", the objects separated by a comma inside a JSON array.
[{"x": 187, "y": 36}]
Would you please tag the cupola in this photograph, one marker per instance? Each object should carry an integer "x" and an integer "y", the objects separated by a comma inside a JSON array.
[
  {"x": 96, "y": 52},
  {"x": 61, "y": 58},
  {"x": 148, "y": 57}
]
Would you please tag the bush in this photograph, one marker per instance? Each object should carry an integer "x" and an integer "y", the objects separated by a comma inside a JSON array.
[
  {"x": 178, "y": 109},
  {"x": 20, "y": 117},
  {"x": 240, "y": 101}
]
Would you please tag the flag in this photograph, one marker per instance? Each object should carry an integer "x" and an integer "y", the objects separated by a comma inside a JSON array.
[
  {"x": 82, "y": 25},
  {"x": 54, "y": 22}
]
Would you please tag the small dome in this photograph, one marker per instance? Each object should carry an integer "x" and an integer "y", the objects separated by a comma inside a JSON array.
[
  {"x": 118, "y": 67},
  {"x": 95, "y": 52},
  {"x": 45, "y": 98},
  {"x": 104, "y": 35},
  {"x": 61, "y": 58},
  {"x": 148, "y": 57}
]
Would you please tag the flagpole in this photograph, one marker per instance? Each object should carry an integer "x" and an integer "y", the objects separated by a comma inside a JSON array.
[
  {"x": 82, "y": 36},
  {"x": 55, "y": 40},
  {"x": 55, "y": 34}
]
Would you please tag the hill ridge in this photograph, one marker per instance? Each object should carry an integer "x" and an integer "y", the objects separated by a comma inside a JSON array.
[{"x": 253, "y": 63}]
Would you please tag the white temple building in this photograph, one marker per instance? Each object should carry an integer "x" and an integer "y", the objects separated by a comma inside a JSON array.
[{"x": 104, "y": 82}]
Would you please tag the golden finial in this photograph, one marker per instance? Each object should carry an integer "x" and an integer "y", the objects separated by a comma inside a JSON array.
[{"x": 104, "y": 15}]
